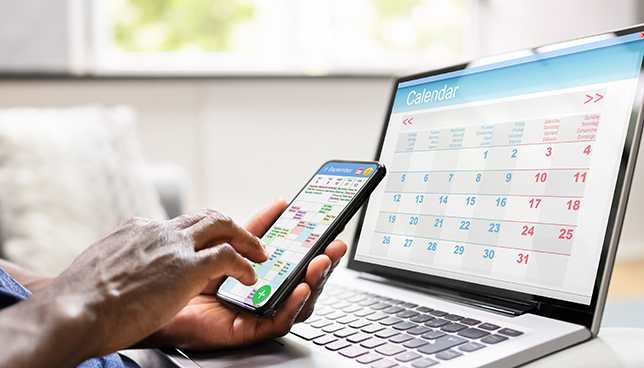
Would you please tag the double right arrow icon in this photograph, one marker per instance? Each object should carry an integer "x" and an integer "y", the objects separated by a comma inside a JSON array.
[{"x": 591, "y": 98}]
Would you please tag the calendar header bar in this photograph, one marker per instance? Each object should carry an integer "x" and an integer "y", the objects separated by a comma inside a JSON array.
[
  {"x": 538, "y": 73},
  {"x": 347, "y": 169}
]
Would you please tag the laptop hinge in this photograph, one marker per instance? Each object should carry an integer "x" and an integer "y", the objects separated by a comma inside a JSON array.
[{"x": 487, "y": 303}]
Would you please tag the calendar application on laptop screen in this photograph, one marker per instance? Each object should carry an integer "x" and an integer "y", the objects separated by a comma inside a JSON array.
[{"x": 503, "y": 175}]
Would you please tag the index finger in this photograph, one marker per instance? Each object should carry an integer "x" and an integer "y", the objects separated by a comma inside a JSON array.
[{"x": 217, "y": 228}]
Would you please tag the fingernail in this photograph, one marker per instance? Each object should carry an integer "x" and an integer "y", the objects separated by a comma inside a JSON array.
[{"x": 325, "y": 273}]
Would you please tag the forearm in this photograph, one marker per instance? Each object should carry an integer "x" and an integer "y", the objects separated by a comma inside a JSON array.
[
  {"x": 45, "y": 331},
  {"x": 31, "y": 280}
]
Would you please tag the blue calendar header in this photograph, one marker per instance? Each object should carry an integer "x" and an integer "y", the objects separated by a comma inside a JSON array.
[
  {"x": 347, "y": 169},
  {"x": 600, "y": 62}
]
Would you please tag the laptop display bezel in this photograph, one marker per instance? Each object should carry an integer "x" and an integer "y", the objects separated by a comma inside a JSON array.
[{"x": 587, "y": 315}]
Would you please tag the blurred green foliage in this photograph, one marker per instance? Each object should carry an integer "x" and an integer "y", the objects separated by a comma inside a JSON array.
[
  {"x": 170, "y": 25},
  {"x": 207, "y": 25}
]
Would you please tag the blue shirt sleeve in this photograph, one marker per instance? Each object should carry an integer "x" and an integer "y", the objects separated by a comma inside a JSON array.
[{"x": 11, "y": 292}]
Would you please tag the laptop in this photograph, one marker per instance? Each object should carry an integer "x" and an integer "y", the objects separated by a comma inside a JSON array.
[{"x": 491, "y": 241}]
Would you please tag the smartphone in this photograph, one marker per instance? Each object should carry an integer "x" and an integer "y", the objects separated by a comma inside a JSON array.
[{"x": 310, "y": 222}]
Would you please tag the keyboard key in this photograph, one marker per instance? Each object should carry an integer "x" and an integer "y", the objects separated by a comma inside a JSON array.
[
  {"x": 436, "y": 323},
  {"x": 422, "y": 318},
  {"x": 442, "y": 343},
  {"x": 438, "y": 313},
  {"x": 353, "y": 351},
  {"x": 401, "y": 338},
  {"x": 341, "y": 304},
  {"x": 359, "y": 337},
  {"x": 488, "y": 326},
  {"x": 424, "y": 309},
  {"x": 324, "y": 311},
  {"x": 347, "y": 319},
  {"x": 373, "y": 343},
  {"x": 381, "y": 298},
  {"x": 357, "y": 298},
  {"x": 407, "y": 313},
  {"x": 453, "y": 317},
  {"x": 418, "y": 330},
  {"x": 404, "y": 326},
  {"x": 395, "y": 301},
  {"x": 306, "y": 331},
  {"x": 329, "y": 301},
  {"x": 386, "y": 363},
  {"x": 373, "y": 328},
  {"x": 389, "y": 349},
  {"x": 377, "y": 316},
  {"x": 345, "y": 332},
  {"x": 360, "y": 323},
  {"x": 393, "y": 309},
  {"x": 431, "y": 335},
  {"x": 448, "y": 354},
  {"x": 367, "y": 302},
  {"x": 321, "y": 323},
  {"x": 335, "y": 315},
  {"x": 424, "y": 363},
  {"x": 369, "y": 358},
  {"x": 312, "y": 319},
  {"x": 473, "y": 333},
  {"x": 471, "y": 346},
  {"x": 333, "y": 328},
  {"x": 390, "y": 321},
  {"x": 415, "y": 343},
  {"x": 346, "y": 295},
  {"x": 326, "y": 339},
  {"x": 494, "y": 339},
  {"x": 409, "y": 305},
  {"x": 379, "y": 306},
  {"x": 387, "y": 333},
  {"x": 363, "y": 313},
  {"x": 510, "y": 332},
  {"x": 453, "y": 327},
  {"x": 334, "y": 290},
  {"x": 470, "y": 321},
  {"x": 352, "y": 308},
  {"x": 407, "y": 356},
  {"x": 337, "y": 345}
]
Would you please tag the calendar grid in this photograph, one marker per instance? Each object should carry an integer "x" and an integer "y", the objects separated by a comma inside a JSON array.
[{"x": 497, "y": 199}]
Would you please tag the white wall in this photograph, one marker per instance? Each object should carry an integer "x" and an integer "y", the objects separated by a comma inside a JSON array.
[
  {"x": 508, "y": 25},
  {"x": 243, "y": 142}
]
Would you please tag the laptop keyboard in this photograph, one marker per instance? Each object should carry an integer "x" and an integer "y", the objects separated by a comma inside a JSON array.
[{"x": 384, "y": 332}]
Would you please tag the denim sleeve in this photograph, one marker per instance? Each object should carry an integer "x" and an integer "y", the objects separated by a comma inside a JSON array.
[{"x": 11, "y": 292}]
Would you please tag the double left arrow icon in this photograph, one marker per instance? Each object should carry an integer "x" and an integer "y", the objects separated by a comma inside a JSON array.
[{"x": 408, "y": 121}]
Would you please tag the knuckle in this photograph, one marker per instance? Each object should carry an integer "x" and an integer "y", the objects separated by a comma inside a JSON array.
[{"x": 222, "y": 219}]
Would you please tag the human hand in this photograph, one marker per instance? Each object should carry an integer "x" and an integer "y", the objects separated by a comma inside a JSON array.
[
  {"x": 207, "y": 324},
  {"x": 132, "y": 282}
]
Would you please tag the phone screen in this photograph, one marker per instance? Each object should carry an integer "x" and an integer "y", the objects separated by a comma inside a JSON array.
[{"x": 296, "y": 232}]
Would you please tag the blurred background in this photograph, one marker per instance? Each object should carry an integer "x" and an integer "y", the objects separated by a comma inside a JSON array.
[{"x": 249, "y": 97}]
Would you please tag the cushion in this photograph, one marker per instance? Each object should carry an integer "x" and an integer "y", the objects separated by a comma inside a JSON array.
[{"x": 67, "y": 176}]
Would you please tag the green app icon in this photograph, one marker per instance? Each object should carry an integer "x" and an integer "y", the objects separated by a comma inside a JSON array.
[{"x": 261, "y": 294}]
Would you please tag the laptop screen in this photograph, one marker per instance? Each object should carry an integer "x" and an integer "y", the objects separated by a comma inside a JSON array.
[{"x": 504, "y": 174}]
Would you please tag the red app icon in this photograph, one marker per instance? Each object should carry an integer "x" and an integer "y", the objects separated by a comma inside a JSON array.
[{"x": 359, "y": 171}]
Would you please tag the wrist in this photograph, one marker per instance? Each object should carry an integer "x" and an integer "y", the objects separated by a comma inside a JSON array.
[{"x": 46, "y": 330}]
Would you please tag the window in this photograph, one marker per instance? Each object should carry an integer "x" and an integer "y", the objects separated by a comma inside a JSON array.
[{"x": 281, "y": 36}]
